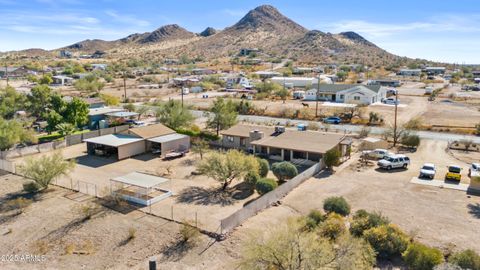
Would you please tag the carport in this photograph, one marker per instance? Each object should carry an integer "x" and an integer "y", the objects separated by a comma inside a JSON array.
[
  {"x": 119, "y": 145},
  {"x": 140, "y": 188},
  {"x": 169, "y": 143}
]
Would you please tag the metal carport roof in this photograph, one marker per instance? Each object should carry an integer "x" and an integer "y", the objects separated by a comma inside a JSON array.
[
  {"x": 113, "y": 140},
  {"x": 140, "y": 180},
  {"x": 167, "y": 138}
]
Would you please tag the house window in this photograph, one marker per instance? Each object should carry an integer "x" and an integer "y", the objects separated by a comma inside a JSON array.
[
  {"x": 230, "y": 139},
  {"x": 342, "y": 96},
  {"x": 242, "y": 141},
  {"x": 356, "y": 98}
]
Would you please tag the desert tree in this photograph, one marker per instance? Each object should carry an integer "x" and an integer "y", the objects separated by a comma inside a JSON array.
[
  {"x": 43, "y": 170},
  {"x": 200, "y": 147},
  {"x": 222, "y": 115},
  {"x": 227, "y": 167},
  {"x": 13, "y": 132},
  {"x": 174, "y": 115}
]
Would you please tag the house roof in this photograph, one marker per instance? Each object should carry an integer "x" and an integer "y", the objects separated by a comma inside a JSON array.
[
  {"x": 305, "y": 141},
  {"x": 113, "y": 140},
  {"x": 104, "y": 110},
  {"x": 140, "y": 180},
  {"x": 167, "y": 138},
  {"x": 151, "y": 131},
  {"x": 122, "y": 114},
  {"x": 244, "y": 130},
  {"x": 334, "y": 88}
]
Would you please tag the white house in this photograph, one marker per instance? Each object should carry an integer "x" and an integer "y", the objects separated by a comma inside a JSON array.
[
  {"x": 301, "y": 82},
  {"x": 410, "y": 72},
  {"x": 62, "y": 80},
  {"x": 348, "y": 93}
]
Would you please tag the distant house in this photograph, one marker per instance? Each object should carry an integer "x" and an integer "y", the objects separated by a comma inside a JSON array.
[
  {"x": 62, "y": 80},
  {"x": 347, "y": 93},
  {"x": 435, "y": 70},
  {"x": 248, "y": 51},
  {"x": 409, "y": 72},
  {"x": 280, "y": 144},
  {"x": 243, "y": 82},
  {"x": 301, "y": 82},
  {"x": 267, "y": 74},
  {"x": 94, "y": 103},
  {"x": 252, "y": 61},
  {"x": 302, "y": 70},
  {"x": 476, "y": 73},
  {"x": 185, "y": 81},
  {"x": 65, "y": 54},
  {"x": 385, "y": 82},
  {"x": 14, "y": 72},
  {"x": 202, "y": 71},
  {"x": 99, "y": 66}
]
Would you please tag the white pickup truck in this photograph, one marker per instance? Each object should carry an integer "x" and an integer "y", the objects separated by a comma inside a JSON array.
[
  {"x": 392, "y": 162},
  {"x": 474, "y": 170}
]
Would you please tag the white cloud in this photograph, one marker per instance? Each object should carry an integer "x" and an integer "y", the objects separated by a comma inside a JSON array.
[
  {"x": 127, "y": 19},
  {"x": 443, "y": 23}
]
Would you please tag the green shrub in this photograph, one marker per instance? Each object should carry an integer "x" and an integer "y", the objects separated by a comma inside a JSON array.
[
  {"x": 336, "y": 205},
  {"x": 387, "y": 240},
  {"x": 421, "y": 257},
  {"x": 363, "y": 220},
  {"x": 31, "y": 187},
  {"x": 411, "y": 141},
  {"x": 251, "y": 179},
  {"x": 467, "y": 259},
  {"x": 332, "y": 158},
  {"x": 333, "y": 227},
  {"x": 313, "y": 219},
  {"x": 263, "y": 167},
  {"x": 200, "y": 134},
  {"x": 284, "y": 170},
  {"x": 265, "y": 185}
]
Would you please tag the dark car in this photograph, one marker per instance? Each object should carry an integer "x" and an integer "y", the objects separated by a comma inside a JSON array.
[{"x": 332, "y": 120}]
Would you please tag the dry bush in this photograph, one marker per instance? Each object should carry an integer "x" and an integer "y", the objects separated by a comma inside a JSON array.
[
  {"x": 190, "y": 234},
  {"x": 41, "y": 247},
  {"x": 19, "y": 204},
  {"x": 69, "y": 249},
  {"x": 132, "y": 233},
  {"x": 87, "y": 211}
]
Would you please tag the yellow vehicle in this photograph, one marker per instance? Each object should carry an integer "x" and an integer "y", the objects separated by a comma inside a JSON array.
[{"x": 453, "y": 173}]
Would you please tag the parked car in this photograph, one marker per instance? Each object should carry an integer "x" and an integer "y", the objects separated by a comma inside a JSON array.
[
  {"x": 391, "y": 101},
  {"x": 332, "y": 120},
  {"x": 474, "y": 170},
  {"x": 428, "y": 170},
  {"x": 453, "y": 173},
  {"x": 394, "y": 161},
  {"x": 376, "y": 154}
]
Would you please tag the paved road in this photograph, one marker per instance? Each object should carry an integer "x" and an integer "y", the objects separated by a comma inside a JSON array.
[{"x": 441, "y": 136}]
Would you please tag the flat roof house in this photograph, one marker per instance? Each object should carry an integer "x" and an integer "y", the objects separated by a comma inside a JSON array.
[
  {"x": 278, "y": 143},
  {"x": 157, "y": 139},
  {"x": 410, "y": 72},
  {"x": 347, "y": 93},
  {"x": 435, "y": 70}
]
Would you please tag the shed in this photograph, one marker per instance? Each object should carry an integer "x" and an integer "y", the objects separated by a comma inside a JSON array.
[
  {"x": 169, "y": 143},
  {"x": 119, "y": 145},
  {"x": 140, "y": 188},
  {"x": 370, "y": 143}
]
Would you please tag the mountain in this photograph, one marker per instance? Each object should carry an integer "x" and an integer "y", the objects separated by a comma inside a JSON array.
[
  {"x": 209, "y": 31},
  {"x": 264, "y": 28}
]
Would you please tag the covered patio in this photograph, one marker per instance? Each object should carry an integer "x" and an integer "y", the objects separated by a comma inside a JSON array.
[
  {"x": 166, "y": 144},
  {"x": 140, "y": 188}
]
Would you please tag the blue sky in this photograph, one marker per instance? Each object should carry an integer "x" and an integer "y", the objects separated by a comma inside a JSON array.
[{"x": 447, "y": 30}]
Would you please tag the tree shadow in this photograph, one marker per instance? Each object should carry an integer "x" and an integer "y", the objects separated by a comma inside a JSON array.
[
  {"x": 241, "y": 191},
  {"x": 177, "y": 250},
  {"x": 474, "y": 209},
  {"x": 205, "y": 196}
]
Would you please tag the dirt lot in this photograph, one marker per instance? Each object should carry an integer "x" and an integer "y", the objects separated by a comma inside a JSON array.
[{"x": 194, "y": 196}]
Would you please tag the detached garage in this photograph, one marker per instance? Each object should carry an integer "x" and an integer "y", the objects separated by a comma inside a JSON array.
[
  {"x": 119, "y": 145},
  {"x": 169, "y": 143}
]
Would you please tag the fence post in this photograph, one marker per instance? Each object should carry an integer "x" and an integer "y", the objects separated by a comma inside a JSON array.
[{"x": 152, "y": 264}]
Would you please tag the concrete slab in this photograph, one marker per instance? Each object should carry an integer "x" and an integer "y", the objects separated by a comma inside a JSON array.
[{"x": 439, "y": 183}]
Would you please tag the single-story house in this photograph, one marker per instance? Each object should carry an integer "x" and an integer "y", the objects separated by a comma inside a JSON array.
[
  {"x": 62, "y": 80},
  {"x": 410, "y": 72},
  {"x": 370, "y": 143},
  {"x": 301, "y": 82},
  {"x": 347, "y": 93},
  {"x": 387, "y": 83},
  {"x": 248, "y": 51},
  {"x": 95, "y": 102},
  {"x": 13, "y": 72},
  {"x": 99, "y": 66},
  {"x": 278, "y": 143},
  {"x": 267, "y": 74},
  {"x": 435, "y": 70},
  {"x": 97, "y": 117},
  {"x": 156, "y": 138}
]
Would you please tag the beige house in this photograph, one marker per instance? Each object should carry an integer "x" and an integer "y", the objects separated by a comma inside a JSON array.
[
  {"x": 157, "y": 139},
  {"x": 278, "y": 143}
]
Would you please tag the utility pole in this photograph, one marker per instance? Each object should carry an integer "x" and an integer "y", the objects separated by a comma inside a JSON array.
[
  {"x": 125, "y": 86},
  {"x": 6, "y": 72},
  {"x": 181, "y": 89},
  {"x": 395, "y": 122},
  {"x": 316, "y": 99}
]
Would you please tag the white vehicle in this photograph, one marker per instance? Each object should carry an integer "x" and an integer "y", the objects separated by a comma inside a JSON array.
[
  {"x": 474, "y": 170},
  {"x": 391, "y": 101},
  {"x": 428, "y": 170},
  {"x": 395, "y": 161},
  {"x": 376, "y": 154}
]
